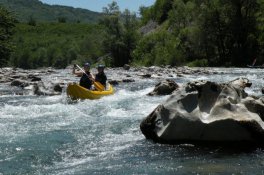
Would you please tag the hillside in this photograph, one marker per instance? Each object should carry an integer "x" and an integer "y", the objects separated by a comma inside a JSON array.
[
  {"x": 55, "y": 44},
  {"x": 39, "y": 11},
  {"x": 201, "y": 33}
]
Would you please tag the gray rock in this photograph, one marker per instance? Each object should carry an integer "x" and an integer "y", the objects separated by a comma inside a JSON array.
[
  {"x": 241, "y": 82},
  {"x": 203, "y": 111},
  {"x": 19, "y": 76},
  {"x": 33, "y": 77},
  {"x": 57, "y": 88},
  {"x": 40, "y": 89},
  {"x": 164, "y": 88},
  {"x": 126, "y": 67},
  {"x": 113, "y": 82},
  {"x": 19, "y": 83},
  {"x": 128, "y": 80},
  {"x": 146, "y": 75},
  {"x": 4, "y": 79},
  {"x": 149, "y": 27}
]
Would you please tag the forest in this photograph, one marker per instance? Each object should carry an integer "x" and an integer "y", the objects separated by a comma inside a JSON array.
[{"x": 223, "y": 33}]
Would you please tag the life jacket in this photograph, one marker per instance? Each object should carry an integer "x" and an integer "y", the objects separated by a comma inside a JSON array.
[
  {"x": 85, "y": 81},
  {"x": 101, "y": 77}
]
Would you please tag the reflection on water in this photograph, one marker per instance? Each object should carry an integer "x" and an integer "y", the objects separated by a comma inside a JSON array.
[{"x": 48, "y": 135}]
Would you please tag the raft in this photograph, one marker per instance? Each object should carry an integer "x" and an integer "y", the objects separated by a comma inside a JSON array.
[{"x": 75, "y": 91}]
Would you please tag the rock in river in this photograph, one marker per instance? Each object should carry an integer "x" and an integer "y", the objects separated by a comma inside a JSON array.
[
  {"x": 164, "y": 88},
  {"x": 203, "y": 111}
]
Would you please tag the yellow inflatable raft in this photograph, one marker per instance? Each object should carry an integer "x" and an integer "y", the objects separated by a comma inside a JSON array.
[{"x": 75, "y": 91}]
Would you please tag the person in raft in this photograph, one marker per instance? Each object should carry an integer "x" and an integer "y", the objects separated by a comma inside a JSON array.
[
  {"x": 100, "y": 76},
  {"x": 86, "y": 80}
]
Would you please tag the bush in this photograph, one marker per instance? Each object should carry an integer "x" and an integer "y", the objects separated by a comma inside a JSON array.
[
  {"x": 198, "y": 63},
  {"x": 6, "y": 26},
  {"x": 160, "y": 48}
]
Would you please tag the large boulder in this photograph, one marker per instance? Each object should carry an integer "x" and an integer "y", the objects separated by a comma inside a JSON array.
[
  {"x": 203, "y": 111},
  {"x": 165, "y": 87}
]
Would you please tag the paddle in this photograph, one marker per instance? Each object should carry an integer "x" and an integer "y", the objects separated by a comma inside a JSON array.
[{"x": 98, "y": 86}]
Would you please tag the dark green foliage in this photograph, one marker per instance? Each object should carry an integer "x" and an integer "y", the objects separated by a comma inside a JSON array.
[
  {"x": 158, "y": 49},
  {"x": 214, "y": 33},
  {"x": 189, "y": 32},
  {"x": 6, "y": 26},
  {"x": 161, "y": 9},
  {"x": 260, "y": 38},
  {"x": 230, "y": 26},
  {"x": 198, "y": 63},
  {"x": 120, "y": 34},
  {"x": 62, "y": 20},
  {"x": 24, "y": 9},
  {"x": 158, "y": 12},
  {"x": 55, "y": 44},
  {"x": 32, "y": 21}
]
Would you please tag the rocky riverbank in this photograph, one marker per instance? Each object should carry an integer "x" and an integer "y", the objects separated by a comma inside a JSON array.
[{"x": 49, "y": 81}]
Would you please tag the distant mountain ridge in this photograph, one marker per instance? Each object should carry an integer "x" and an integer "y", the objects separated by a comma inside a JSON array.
[{"x": 26, "y": 9}]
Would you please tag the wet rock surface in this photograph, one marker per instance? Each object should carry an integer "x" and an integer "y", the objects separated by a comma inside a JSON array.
[
  {"x": 49, "y": 81},
  {"x": 165, "y": 87},
  {"x": 29, "y": 81},
  {"x": 204, "y": 111}
]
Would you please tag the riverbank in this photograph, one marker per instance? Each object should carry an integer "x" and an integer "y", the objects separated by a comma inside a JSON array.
[{"x": 49, "y": 81}]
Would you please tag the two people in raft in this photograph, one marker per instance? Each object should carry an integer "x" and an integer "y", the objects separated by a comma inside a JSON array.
[{"x": 87, "y": 78}]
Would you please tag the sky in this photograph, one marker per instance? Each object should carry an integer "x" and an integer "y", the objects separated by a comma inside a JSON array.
[{"x": 97, "y": 5}]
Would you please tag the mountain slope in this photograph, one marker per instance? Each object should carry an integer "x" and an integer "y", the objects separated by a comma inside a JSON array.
[{"x": 25, "y": 9}]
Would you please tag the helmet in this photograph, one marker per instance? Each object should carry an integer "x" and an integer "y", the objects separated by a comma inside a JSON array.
[
  {"x": 101, "y": 66},
  {"x": 86, "y": 64}
]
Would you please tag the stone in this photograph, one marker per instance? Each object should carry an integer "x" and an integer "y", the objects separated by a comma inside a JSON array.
[
  {"x": 113, "y": 82},
  {"x": 57, "y": 88},
  {"x": 40, "y": 90},
  {"x": 164, "y": 88},
  {"x": 19, "y": 83},
  {"x": 207, "y": 112},
  {"x": 146, "y": 75},
  {"x": 35, "y": 79},
  {"x": 126, "y": 67},
  {"x": 241, "y": 82},
  {"x": 149, "y": 27},
  {"x": 128, "y": 80}
]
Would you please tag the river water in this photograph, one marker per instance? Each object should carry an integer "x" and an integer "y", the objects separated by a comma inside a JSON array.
[{"x": 50, "y": 135}]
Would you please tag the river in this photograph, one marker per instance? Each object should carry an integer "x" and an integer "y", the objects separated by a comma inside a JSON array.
[{"x": 52, "y": 135}]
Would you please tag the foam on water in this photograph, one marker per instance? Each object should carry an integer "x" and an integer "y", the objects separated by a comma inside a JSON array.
[{"x": 48, "y": 135}]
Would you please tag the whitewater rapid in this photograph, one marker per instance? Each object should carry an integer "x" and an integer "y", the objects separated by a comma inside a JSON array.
[{"x": 52, "y": 135}]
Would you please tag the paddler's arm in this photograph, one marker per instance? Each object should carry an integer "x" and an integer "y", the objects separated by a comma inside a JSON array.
[{"x": 78, "y": 73}]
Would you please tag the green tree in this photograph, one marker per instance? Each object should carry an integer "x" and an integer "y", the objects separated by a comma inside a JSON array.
[
  {"x": 160, "y": 48},
  {"x": 120, "y": 33},
  {"x": 231, "y": 32},
  {"x": 260, "y": 27},
  {"x": 158, "y": 12},
  {"x": 62, "y": 19},
  {"x": 244, "y": 31},
  {"x": 6, "y": 26},
  {"x": 32, "y": 21}
]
